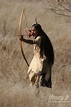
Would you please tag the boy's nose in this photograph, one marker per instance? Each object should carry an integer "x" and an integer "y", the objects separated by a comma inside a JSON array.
[{"x": 32, "y": 32}]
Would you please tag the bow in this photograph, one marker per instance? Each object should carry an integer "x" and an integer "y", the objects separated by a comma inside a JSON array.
[{"x": 19, "y": 31}]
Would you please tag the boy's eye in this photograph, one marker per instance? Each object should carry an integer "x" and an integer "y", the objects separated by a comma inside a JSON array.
[{"x": 30, "y": 30}]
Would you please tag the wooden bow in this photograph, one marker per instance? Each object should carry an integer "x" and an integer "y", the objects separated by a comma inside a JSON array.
[{"x": 19, "y": 31}]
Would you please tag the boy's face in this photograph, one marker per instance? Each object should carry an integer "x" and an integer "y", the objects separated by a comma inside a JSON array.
[{"x": 34, "y": 31}]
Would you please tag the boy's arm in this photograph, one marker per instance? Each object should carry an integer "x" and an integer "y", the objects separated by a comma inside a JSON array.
[{"x": 26, "y": 40}]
